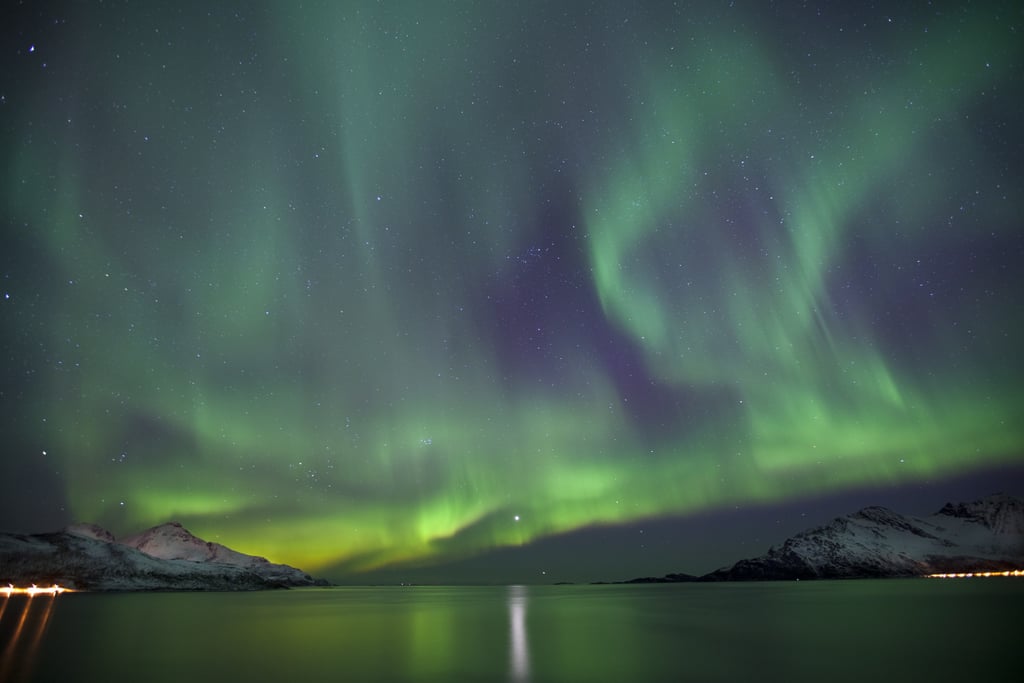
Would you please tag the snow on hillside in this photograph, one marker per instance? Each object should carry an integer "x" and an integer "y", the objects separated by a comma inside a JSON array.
[
  {"x": 171, "y": 541},
  {"x": 984, "y": 534},
  {"x": 91, "y": 531},
  {"x": 87, "y": 556}
]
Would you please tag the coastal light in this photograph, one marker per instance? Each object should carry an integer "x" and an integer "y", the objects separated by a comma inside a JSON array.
[
  {"x": 34, "y": 590},
  {"x": 971, "y": 575}
]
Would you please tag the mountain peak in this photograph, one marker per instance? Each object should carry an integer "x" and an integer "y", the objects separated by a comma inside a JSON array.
[
  {"x": 172, "y": 541},
  {"x": 94, "y": 531},
  {"x": 1002, "y": 513},
  {"x": 875, "y": 541},
  {"x": 165, "y": 557}
]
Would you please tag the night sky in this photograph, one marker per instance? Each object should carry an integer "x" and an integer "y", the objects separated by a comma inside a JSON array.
[{"x": 507, "y": 290}]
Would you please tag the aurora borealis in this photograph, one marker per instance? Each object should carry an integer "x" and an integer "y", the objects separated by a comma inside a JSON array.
[{"x": 358, "y": 285}]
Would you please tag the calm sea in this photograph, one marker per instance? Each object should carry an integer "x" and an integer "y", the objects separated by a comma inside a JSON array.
[{"x": 906, "y": 630}]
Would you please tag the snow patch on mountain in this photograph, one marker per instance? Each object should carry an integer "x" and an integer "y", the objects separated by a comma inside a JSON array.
[
  {"x": 94, "y": 531},
  {"x": 986, "y": 534},
  {"x": 166, "y": 557},
  {"x": 172, "y": 541}
]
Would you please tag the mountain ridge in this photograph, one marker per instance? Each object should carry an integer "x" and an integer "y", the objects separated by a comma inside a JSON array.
[
  {"x": 876, "y": 542},
  {"x": 164, "y": 557}
]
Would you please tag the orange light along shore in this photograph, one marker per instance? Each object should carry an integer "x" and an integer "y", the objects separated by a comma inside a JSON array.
[
  {"x": 973, "y": 575},
  {"x": 34, "y": 590}
]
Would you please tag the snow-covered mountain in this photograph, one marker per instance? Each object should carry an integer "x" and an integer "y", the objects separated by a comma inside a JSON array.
[
  {"x": 166, "y": 557},
  {"x": 986, "y": 534},
  {"x": 171, "y": 541}
]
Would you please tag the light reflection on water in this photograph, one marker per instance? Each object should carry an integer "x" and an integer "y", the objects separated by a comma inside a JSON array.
[
  {"x": 807, "y": 631},
  {"x": 519, "y": 648},
  {"x": 23, "y": 621}
]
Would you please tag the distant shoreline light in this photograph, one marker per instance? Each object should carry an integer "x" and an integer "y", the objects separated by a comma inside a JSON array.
[
  {"x": 34, "y": 590},
  {"x": 971, "y": 575}
]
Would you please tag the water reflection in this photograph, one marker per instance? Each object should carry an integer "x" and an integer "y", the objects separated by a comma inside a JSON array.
[
  {"x": 519, "y": 648},
  {"x": 23, "y": 621},
  {"x": 790, "y": 632}
]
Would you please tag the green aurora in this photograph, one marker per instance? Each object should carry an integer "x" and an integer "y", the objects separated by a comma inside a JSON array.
[{"x": 352, "y": 286}]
